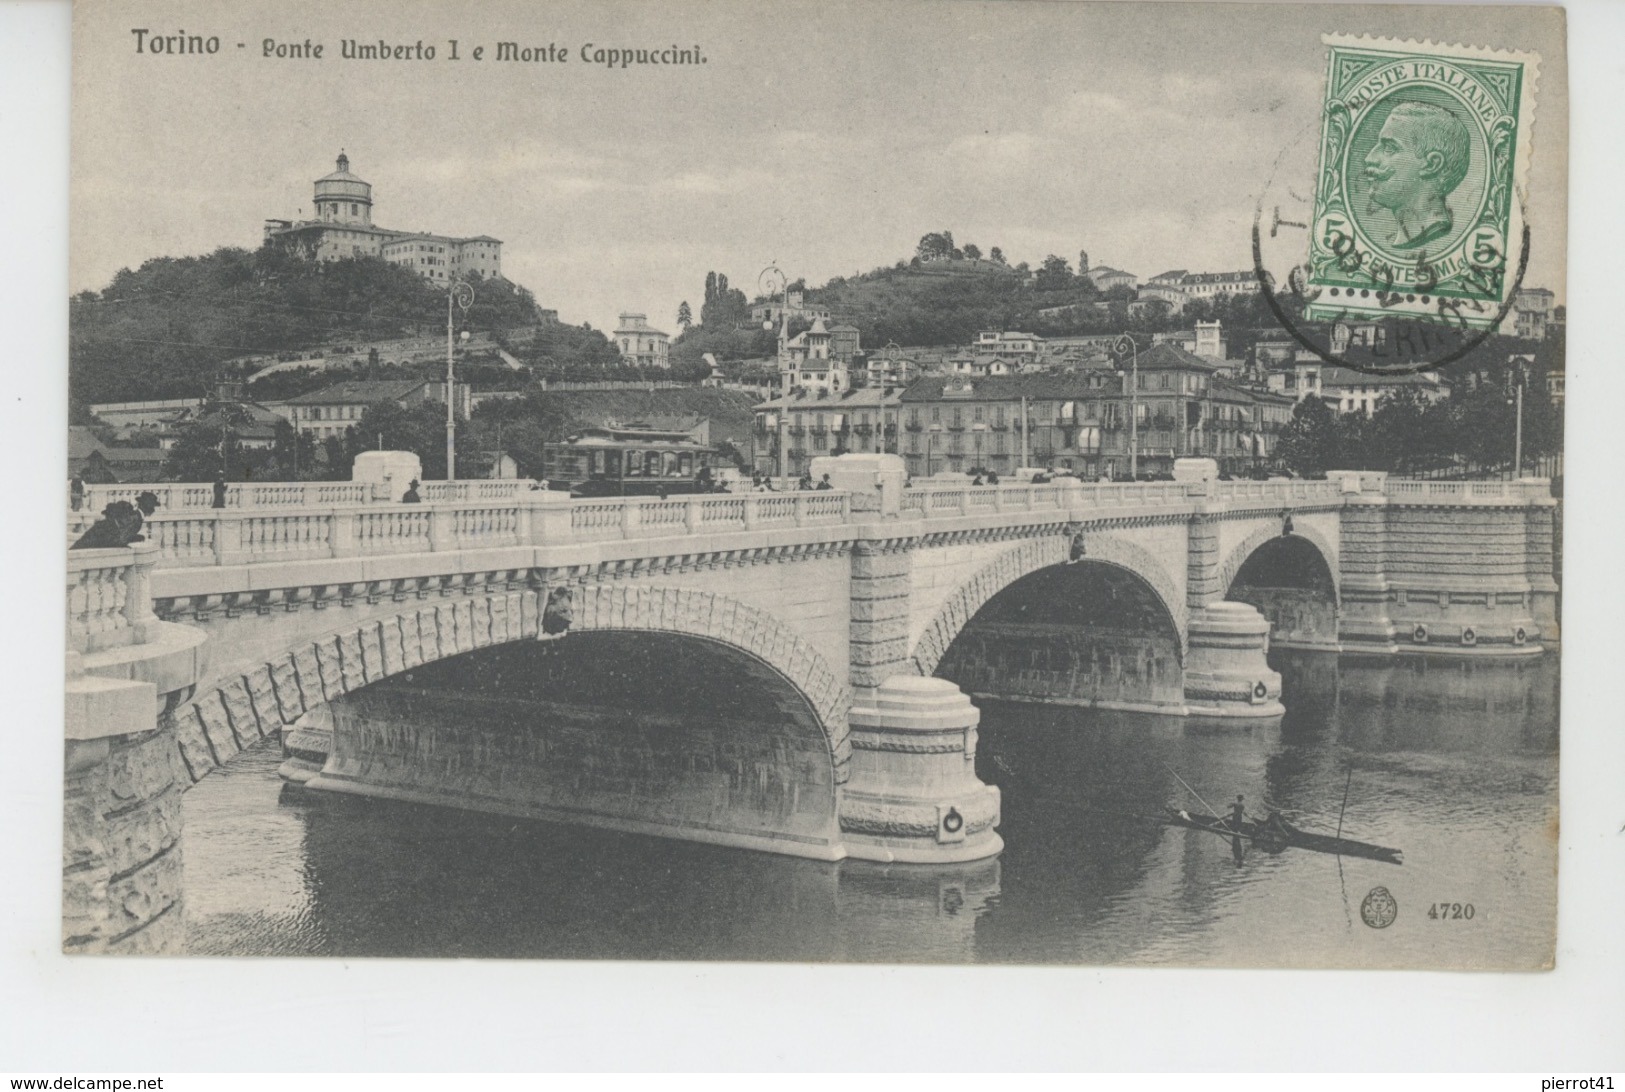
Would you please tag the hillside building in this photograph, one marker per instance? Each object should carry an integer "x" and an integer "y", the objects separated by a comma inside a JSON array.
[
  {"x": 1532, "y": 310},
  {"x": 641, "y": 343},
  {"x": 343, "y": 228},
  {"x": 1106, "y": 278},
  {"x": 332, "y": 410},
  {"x": 1178, "y": 287},
  {"x": 792, "y": 304}
]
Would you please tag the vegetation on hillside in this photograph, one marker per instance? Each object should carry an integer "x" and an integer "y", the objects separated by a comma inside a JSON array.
[{"x": 170, "y": 328}]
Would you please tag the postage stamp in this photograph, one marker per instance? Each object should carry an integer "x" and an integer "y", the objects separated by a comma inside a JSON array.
[{"x": 1418, "y": 203}]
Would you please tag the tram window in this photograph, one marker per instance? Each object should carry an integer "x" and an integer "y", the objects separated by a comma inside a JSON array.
[
  {"x": 685, "y": 464},
  {"x": 612, "y": 464},
  {"x": 651, "y": 464},
  {"x": 668, "y": 464},
  {"x": 596, "y": 462},
  {"x": 634, "y": 464}
]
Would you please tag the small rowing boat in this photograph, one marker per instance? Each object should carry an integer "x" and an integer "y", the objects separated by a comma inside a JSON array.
[{"x": 1275, "y": 834}]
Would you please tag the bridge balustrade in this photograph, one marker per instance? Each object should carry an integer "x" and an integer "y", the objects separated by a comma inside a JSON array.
[
  {"x": 189, "y": 536},
  {"x": 187, "y": 496},
  {"x": 109, "y": 597}
]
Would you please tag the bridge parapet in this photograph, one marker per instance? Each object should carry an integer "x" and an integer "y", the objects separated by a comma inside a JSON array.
[
  {"x": 121, "y": 819},
  {"x": 191, "y": 496}
]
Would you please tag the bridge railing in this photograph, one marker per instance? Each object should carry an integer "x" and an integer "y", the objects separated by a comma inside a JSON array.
[
  {"x": 216, "y": 536},
  {"x": 109, "y": 597},
  {"x": 190, "y": 496},
  {"x": 198, "y": 537},
  {"x": 1466, "y": 492},
  {"x": 1272, "y": 492}
]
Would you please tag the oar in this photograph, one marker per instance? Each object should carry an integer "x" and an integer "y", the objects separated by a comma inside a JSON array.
[
  {"x": 1341, "y": 883},
  {"x": 1347, "y": 781},
  {"x": 1190, "y": 790}
]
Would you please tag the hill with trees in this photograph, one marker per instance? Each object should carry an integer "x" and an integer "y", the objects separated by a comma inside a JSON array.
[
  {"x": 945, "y": 294},
  {"x": 171, "y": 328}
]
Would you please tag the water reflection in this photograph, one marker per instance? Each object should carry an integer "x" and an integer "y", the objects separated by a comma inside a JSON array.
[{"x": 1453, "y": 762}]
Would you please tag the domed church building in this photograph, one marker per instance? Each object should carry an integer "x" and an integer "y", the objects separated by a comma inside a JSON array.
[{"x": 343, "y": 228}]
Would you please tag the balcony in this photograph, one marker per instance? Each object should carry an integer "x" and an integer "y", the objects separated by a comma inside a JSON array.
[
  {"x": 862, "y": 430},
  {"x": 797, "y": 430},
  {"x": 914, "y": 426}
]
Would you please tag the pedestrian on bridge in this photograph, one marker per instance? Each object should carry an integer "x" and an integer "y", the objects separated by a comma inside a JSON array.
[
  {"x": 411, "y": 495},
  {"x": 219, "y": 493}
]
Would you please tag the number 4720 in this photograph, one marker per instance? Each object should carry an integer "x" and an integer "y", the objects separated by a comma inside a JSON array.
[{"x": 1451, "y": 911}]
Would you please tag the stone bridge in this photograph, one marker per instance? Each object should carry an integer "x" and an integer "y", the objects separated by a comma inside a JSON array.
[{"x": 836, "y": 637}]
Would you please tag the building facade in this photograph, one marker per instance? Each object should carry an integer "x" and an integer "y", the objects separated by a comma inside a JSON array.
[
  {"x": 793, "y": 305},
  {"x": 343, "y": 228},
  {"x": 1105, "y": 277},
  {"x": 1532, "y": 310},
  {"x": 1079, "y": 421},
  {"x": 332, "y": 410},
  {"x": 862, "y": 421},
  {"x": 1178, "y": 287},
  {"x": 641, "y": 343}
]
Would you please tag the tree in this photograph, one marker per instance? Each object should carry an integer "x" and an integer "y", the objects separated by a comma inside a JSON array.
[
  {"x": 723, "y": 306},
  {"x": 1309, "y": 443},
  {"x": 972, "y": 251},
  {"x": 293, "y": 455},
  {"x": 996, "y": 255},
  {"x": 1054, "y": 274},
  {"x": 935, "y": 245},
  {"x": 207, "y": 449},
  {"x": 685, "y": 317}
]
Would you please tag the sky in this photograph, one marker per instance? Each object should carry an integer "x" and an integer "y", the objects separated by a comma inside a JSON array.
[{"x": 826, "y": 137}]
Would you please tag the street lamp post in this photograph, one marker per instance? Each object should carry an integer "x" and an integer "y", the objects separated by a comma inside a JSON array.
[
  {"x": 771, "y": 281},
  {"x": 1517, "y": 435},
  {"x": 462, "y": 293},
  {"x": 891, "y": 350},
  {"x": 1134, "y": 403}
]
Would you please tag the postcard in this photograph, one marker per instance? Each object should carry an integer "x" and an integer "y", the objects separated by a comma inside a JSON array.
[{"x": 922, "y": 482}]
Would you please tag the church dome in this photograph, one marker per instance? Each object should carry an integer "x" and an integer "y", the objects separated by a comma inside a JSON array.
[{"x": 341, "y": 185}]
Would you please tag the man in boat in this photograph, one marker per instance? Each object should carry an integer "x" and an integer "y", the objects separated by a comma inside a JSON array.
[{"x": 1238, "y": 814}]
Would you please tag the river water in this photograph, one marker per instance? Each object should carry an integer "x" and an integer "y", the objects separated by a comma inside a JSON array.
[{"x": 1453, "y": 762}]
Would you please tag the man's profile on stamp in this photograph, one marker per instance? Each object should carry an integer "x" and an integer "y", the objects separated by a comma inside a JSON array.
[{"x": 1420, "y": 157}]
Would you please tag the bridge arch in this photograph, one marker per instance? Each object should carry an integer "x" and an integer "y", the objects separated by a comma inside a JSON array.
[
  {"x": 1250, "y": 545},
  {"x": 212, "y": 727},
  {"x": 1029, "y": 557}
]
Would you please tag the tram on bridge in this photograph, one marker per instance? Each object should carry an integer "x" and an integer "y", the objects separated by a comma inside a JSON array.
[{"x": 631, "y": 461}]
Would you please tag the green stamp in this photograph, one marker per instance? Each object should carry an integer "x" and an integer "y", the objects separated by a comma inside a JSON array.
[{"x": 1418, "y": 201}]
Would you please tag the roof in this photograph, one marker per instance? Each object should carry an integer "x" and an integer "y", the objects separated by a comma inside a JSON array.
[
  {"x": 359, "y": 392},
  {"x": 1170, "y": 275},
  {"x": 150, "y": 456},
  {"x": 602, "y": 436},
  {"x": 82, "y": 442},
  {"x": 1107, "y": 271},
  {"x": 858, "y": 398},
  {"x": 1006, "y": 388},
  {"x": 1166, "y": 355},
  {"x": 637, "y": 324},
  {"x": 843, "y": 327},
  {"x": 1335, "y": 375}
]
